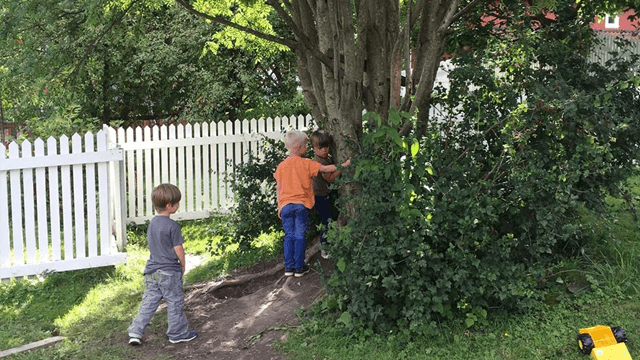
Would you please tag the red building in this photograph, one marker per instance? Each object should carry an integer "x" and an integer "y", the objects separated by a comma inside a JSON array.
[{"x": 617, "y": 23}]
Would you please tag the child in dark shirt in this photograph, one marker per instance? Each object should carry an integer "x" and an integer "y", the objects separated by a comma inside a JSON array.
[{"x": 321, "y": 143}]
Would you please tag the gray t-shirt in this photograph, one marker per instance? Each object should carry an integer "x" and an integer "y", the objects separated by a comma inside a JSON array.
[{"x": 163, "y": 234}]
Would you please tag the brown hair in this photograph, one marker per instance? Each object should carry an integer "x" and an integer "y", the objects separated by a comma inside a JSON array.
[
  {"x": 165, "y": 194},
  {"x": 320, "y": 138}
]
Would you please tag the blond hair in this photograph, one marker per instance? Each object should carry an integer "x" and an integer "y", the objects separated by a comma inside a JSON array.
[{"x": 294, "y": 138}]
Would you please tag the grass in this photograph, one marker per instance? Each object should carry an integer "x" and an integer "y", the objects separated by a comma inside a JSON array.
[{"x": 92, "y": 307}]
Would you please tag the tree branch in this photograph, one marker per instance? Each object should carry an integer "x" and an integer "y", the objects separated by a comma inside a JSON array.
[
  {"x": 463, "y": 11},
  {"x": 220, "y": 20},
  {"x": 299, "y": 34}
]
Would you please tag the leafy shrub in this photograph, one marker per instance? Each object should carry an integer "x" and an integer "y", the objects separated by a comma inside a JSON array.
[
  {"x": 468, "y": 217},
  {"x": 254, "y": 191}
]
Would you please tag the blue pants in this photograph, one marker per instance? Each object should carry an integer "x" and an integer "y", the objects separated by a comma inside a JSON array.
[
  {"x": 325, "y": 211},
  {"x": 295, "y": 219},
  {"x": 159, "y": 285}
]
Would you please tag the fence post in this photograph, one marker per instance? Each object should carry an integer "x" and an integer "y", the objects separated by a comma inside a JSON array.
[{"x": 118, "y": 196}]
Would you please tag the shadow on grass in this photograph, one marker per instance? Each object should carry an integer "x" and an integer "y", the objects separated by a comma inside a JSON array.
[{"x": 30, "y": 307}]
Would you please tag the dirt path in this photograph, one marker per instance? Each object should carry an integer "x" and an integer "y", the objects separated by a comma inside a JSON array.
[{"x": 239, "y": 321}]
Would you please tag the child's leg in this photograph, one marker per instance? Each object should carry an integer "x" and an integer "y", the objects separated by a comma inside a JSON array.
[
  {"x": 288, "y": 224},
  {"x": 325, "y": 211},
  {"x": 171, "y": 287},
  {"x": 150, "y": 301},
  {"x": 301, "y": 224}
]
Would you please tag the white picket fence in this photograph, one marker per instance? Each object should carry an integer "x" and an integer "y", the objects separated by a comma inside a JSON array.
[
  {"x": 197, "y": 158},
  {"x": 57, "y": 209},
  {"x": 63, "y": 209}
]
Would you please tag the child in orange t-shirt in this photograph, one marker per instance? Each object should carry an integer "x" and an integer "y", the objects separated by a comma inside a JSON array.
[{"x": 294, "y": 177}]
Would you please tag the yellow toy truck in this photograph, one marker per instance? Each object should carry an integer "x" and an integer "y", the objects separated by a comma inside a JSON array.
[{"x": 604, "y": 343}]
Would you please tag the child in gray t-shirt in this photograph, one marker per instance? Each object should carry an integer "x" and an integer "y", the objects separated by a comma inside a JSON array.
[{"x": 164, "y": 270}]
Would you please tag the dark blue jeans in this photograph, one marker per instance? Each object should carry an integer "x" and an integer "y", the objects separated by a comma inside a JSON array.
[
  {"x": 295, "y": 219},
  {"x": 324, "y": 207}
]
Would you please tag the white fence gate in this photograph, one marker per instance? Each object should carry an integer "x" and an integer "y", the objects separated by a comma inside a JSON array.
[{"x": 58, "y": 208}]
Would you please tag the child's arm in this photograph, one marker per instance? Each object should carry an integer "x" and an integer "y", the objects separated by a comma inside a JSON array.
[
  {"x": 331, "y": 177},
  {"x": 278, "y": 188},
  {"x": 332, "y": 168},
  {"x": 180, "y": 254}
]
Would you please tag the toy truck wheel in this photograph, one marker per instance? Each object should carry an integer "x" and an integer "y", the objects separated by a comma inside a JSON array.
[
  {"x": 619, "y": 334},
  {"x": 585, "y": 342}
]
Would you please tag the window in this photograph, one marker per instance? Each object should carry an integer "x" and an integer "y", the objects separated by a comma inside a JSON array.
[{"x": 611, "y": 22}]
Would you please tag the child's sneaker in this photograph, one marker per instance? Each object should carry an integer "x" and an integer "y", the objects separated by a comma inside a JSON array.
[
  {"x": 324, "y": 254},
  {"x": 288, "y": 272},
  {"x": 300, "y": 272},
  {"x": 135, "y": 341},
  {"x": 187, "y": 337}
]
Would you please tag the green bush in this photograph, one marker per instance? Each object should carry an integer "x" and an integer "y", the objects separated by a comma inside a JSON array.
[
  {"x": 254, "y": 191},
  {"x": 469, "y": 216}
]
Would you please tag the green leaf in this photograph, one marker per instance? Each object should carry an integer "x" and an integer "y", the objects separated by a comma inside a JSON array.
[
  {"x": 415, "y": 147},
  {"x": 345, "y": 318},
  {"x": 469, "y": 322},
  {"x": 342, "y": 266}
]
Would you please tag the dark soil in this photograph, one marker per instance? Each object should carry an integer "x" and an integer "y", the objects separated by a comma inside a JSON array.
[{"x": 238, "y": 321}]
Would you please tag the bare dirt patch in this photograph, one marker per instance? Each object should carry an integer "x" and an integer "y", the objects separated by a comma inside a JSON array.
[{"x": 239, "y": 317}]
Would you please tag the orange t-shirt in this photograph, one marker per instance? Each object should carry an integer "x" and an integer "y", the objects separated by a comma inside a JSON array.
[{"x": 295, "y": 181}]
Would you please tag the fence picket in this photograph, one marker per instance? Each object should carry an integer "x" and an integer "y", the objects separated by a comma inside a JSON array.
[
  {"x": 16, "y": 208},
  {"x": 54, "y": 203},
  {"x": 261, "y": 131},
  {"x": 5, "y": 246},
  {"x": 131, "y": 188},
  {"x": 67, "y": 215},
  {"x": 103, "y": 197},
  {"x": 157, "y": 180},
  {"x": 28, "y": 205},
  {"x": 41, "y": 204},
  {"x": 147, "y": 170},
  {"x": 196, "y": 166},
  {"x": 172, "y": 157},
  {"x": 90, "y": 178},
  {"x": 140, "y": 194},
  {"x": 188, "y": 153},
  {"x": 181, "y": 168},
  {"x": 228, "y": 163},
  {"x": 78, "y": 200},
  {"x": 164, "y": 155},
  {"x": 220, "y": 159},
  {"x": 206, "y": 174},
  {"x": 246, "y": 147},
  {"x": 277, "y": 124},
  {"x": 117, "y": 186}
]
